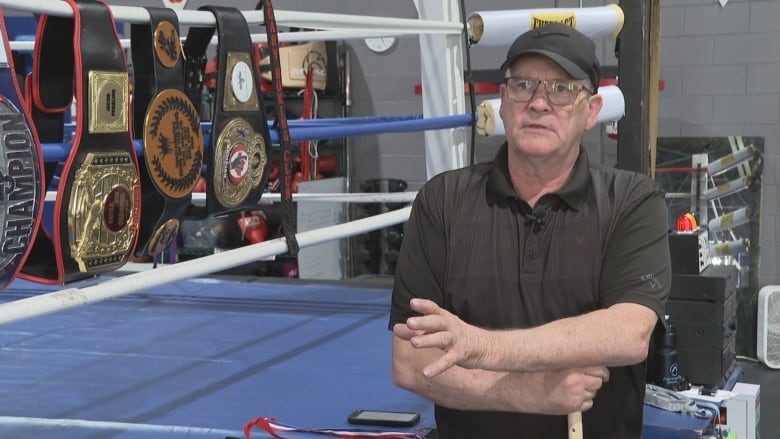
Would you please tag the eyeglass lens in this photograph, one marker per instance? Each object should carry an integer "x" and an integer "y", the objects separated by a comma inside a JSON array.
[{"x": 558, "y": 92}]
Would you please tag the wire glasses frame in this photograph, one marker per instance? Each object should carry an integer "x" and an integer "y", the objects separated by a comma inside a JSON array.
[{"x": 559, "y": 92}]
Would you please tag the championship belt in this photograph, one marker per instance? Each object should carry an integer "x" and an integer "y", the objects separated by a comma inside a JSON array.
[
  {"x": 21, "y": 171},
  {"x": 173, "y": 140},
  {"x": 95, "y": 217},
  {"x": 237, "y": 162}
]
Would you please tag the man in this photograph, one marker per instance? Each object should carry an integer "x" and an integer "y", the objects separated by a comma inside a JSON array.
[{"x": 528, "y": 288}]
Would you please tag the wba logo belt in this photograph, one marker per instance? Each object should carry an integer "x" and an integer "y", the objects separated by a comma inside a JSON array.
[
  {"x": 170, "y": 125},
  {"x": 21, "y": 171},
  {"x": 96, "y": 214},
  {"x": 237, "y": 162}
]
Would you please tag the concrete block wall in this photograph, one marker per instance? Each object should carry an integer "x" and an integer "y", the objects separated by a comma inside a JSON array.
[{"x": 721, "y": 67}]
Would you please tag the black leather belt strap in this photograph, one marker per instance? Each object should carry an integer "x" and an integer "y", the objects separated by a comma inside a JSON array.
[
  {"x": 169, "y": 124},
  {"x": 96, "y": 213},
  {"x": 21, "y": 171},
  {"x": 237, "y": 162}
]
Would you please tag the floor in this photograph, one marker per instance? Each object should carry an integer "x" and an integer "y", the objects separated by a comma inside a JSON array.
[{"x": 200, "y": 358}]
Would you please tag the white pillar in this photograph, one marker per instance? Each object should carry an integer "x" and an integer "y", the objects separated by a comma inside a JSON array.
[{"x": 442, "y": 85}]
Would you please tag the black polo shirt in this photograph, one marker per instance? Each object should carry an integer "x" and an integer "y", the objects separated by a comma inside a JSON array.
[{"x": 473, "y": 246}]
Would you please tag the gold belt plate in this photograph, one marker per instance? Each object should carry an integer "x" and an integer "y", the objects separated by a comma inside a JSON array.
[
  {"x": 163, "y": 236},
  {"x": 108, "y": 102},
  {"x": 240, "y": 91},
  {"x": 239, "y": 161},
  {"x": 103, "y": 211},
  {"x": 167, "y": 45},
  {"x": 173, "y": 143}
]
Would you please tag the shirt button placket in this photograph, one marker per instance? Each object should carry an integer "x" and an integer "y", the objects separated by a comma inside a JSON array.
[{"x": 532, "y": 259}]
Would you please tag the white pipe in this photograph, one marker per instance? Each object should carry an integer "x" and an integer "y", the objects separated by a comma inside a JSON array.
[
  {"x": 309, "y": 20},
  {"x": 43, "y": 304},
  {"x": 490, "y": 124},
  {"x": 730, "y": 248},
  {"x": 728, "y": 188},
  {"x": 362, "y": 197},
  {"x": 730, "y": 161},
  {"x": 730, "y": 220}
]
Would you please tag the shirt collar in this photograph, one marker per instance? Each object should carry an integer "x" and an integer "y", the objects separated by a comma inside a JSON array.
[{"x": 573, "y": 193}]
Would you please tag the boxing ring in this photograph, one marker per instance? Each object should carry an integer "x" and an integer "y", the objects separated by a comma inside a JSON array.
[
  {"x": 171, "y": 353},
  {"x": 601, "y": 21}
]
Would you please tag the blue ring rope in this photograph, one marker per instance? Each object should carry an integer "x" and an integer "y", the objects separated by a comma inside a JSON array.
[{"x": 316, "y": 129}]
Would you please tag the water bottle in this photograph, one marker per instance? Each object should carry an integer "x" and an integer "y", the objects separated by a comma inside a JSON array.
[{"x": 666, "y": 370}]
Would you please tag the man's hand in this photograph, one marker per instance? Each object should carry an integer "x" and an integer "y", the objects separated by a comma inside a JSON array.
[
  {"x": 463, "y": 344},
  {"x": 566, "y": 391}
]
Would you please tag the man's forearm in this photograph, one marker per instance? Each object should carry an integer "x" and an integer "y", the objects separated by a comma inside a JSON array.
[
  {"x": 617, "y": 336},
  {"x": 553, "y": 392},
  {"x": 471, "y": 389},
  {"x": 611, "y": 337}
]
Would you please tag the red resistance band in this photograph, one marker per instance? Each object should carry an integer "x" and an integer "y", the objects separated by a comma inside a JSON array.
[{"x": 272, "y": 426}]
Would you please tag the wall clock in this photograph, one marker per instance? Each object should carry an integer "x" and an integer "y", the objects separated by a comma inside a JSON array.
[{"x": 380, "y": 44}]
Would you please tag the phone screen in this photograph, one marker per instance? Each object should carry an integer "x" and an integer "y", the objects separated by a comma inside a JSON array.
[{"x": 380, "y": 417}]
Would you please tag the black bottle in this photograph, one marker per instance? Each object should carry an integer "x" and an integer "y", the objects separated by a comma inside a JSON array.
[{"x": 666, "y": 371}]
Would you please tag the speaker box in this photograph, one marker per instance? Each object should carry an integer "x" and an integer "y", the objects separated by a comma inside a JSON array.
[
  {"x": 768, "y": 344},
  {"x": 703, "y": 308}
]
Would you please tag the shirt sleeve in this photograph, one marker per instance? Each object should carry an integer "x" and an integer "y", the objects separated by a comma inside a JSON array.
[
  {"x": 637, "y": 265},
  {"x": 422, "y": 259}
]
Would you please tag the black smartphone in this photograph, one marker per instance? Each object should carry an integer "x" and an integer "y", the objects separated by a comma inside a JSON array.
[{"x": 382, "y": 417}]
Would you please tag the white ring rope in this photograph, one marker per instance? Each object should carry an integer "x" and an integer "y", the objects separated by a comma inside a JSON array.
[
  {"x": 363, "y": 197},
  {"x": 366, "y": 197},
  {"x": 284, "y": 37},
  {"x": 308, "y": 20},
  {"x": 27, "y": 422},
  {"x": 326, "y": 21},
  {"x": 48, "y": 303}
]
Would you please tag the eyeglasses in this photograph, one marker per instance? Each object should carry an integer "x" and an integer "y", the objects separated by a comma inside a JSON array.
[{"x": 559, "y": 92}]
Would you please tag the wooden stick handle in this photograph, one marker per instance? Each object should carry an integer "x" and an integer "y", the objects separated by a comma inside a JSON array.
[{"x": 575, "y": 425}]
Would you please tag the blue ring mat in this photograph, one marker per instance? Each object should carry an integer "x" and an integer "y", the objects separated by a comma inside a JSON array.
[{"x": 199, "y": 359}]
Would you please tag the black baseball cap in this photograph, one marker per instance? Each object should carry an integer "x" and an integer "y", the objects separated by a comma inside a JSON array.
[{"x": 572, "y": 50}]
